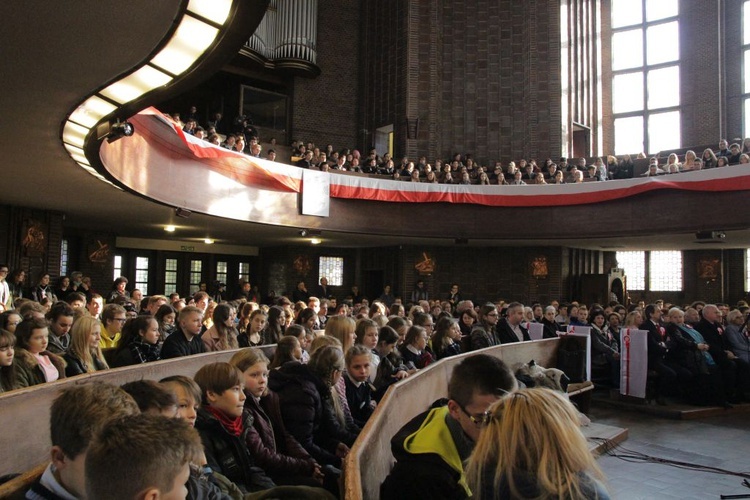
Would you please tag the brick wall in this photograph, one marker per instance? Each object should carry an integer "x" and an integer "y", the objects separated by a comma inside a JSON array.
[{"x": 325, "y": 108}]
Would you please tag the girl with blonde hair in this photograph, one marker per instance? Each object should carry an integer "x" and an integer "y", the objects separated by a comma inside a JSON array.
[
  {"x": 85, "y": 354},
  {"x": 532, "y": 447}
]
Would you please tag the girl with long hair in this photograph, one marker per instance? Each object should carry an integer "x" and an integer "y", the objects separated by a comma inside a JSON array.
[
  {"x": 445, "y": 343},
  {"x": 275, "y": 327},
  {"x": 222, "y": 336},
  {"x": 252, "y": 336},
  {"x": 166, "y": 318},
  {"x": 7, "y": 367},
  {"x": 139, "y": 342},
  {"x": 84, "y": 354},
  {"x": 34, "y": 363},
  {"x": 532, "y": 447}
]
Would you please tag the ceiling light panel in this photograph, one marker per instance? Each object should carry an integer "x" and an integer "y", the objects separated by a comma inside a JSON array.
[
  {"x": 92, "y": 111},
  {"x": 213, "y": 10},
  {"x": 74, "y": 134},
  {"x": 188, "y": 43},
  {"x": 136, "y": 84}
]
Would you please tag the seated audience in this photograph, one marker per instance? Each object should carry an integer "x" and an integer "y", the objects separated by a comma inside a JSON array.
[
  {"x": 223, "y": 424},
  {"x": 166, "y": 317},
  {"x": 274, "y": 449},
  {"x": 605, "y": 351},
  {"x": 737, "y": 335},
  {"x": 76, "y": 416},
  {"x": 532, "y": 447},
  {"x": 139, "y": 343},
  {"x": 414, "y": 349},
  {"x": 60, "y": 319},
  {"x": 8, "y": 380},
  {"x": 153, "y": 454},
  {"x": 33, "y": 362},
  {"x": 253, "y": 336},
  {"x": 445, "y": 343},
  {"x": 222, "y": 335},
  {"x": 287, "y": 350},
  {"x": 186, "y": 338},
  {"x": 359, "y": 391},
  {"x": 510, "y": 328},
  {"x": 85, "y": 353},
  {"x": 308, "y": 408},
  {"x": 113, "y": 319},
  {"x": 483, "y": 333},
  {"x": 431, "y": 449}
]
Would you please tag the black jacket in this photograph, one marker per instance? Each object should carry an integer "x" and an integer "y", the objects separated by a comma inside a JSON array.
[
  {"x": 656, "y": 351},
  {"x": 359, "y": 398},
  {"x": 229, "y": 455},
  {"x": 506, "y": 334},
  {"x": 177, "y": 345},
  {"x": 713, "y": 334},
  {"x": 75, "y": 366},
  {"x": 307, "y": 411}
]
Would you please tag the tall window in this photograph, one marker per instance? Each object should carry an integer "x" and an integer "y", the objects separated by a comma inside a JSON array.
[
  {"x": 634, "y": 264},
  {"x": 747, "y": 271},
  {"x": 221, "y": 272},
  {"x": 196, "y": 275},
  {"x": 244, "y": 274},
  {"x": 118, "y": 268},
  {"x": 665, "y": 271},
  {"x": 746, "y": 67},
  {"x": 646, "y": 75},
  {"x": 332, "y": 268},
  {"x": 170, "y": 276},
  {"x": 64, "y": 258},
  {"x": 141, "y": 274}
]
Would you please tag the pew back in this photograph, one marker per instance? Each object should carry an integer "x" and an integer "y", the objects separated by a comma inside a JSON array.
[
  {"x": 24, "y": 419},
  {"x": 409, "y": 398}
]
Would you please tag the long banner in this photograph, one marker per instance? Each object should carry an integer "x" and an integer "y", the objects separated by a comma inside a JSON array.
[
  {"x": 264, "y": 174},
  {"x": 633, "y": 362}
]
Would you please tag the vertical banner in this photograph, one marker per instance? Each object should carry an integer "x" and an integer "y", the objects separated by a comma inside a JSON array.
[
  {"x": 633, "y": 362},
  {"x": 316, "y": 193},
  {"x": 536, "y": 330}
]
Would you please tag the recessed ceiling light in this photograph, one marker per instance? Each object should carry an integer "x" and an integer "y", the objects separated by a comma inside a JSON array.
[
  {"x": 170, "y": 228},
  {"x": 316, "y": 241},
  {"x": 208, "y": 241}
]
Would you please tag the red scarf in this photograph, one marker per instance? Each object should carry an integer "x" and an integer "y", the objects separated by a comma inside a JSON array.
[{"x": 232, "y": 425}]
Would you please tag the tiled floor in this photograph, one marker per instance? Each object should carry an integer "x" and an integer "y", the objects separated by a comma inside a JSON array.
[{"x": 720, "y": 441}]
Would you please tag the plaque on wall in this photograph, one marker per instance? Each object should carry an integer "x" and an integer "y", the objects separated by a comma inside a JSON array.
[
  {"x": 539, "y": 267},
  {"x": 34, "y": 240},
  {"x": 426, "y": 266},
  {"x": 708, "y": 268},
  {"x": 98, "y": 252}
]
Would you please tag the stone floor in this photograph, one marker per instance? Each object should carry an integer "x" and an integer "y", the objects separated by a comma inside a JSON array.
[{"x": 718, "y": 441}]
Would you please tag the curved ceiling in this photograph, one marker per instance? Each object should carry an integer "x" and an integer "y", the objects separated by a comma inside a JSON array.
[{"x": 53, "y": 58}]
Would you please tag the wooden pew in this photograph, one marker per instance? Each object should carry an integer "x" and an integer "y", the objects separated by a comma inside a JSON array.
[
  {"x": 24, "y": 418},
  {"x": 370, "y": 459}
]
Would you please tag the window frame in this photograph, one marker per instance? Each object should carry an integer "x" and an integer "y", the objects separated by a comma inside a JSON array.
[{"x": 645, "y": 68}]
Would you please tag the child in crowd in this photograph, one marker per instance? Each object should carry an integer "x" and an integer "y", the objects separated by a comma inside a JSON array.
[
  {"x": 186, "y": 338},
  {"x": 309, "y": 406},
  {"x": 222, "y": 335},
  {"x": 253, "y": 336},
  {"x": 287, "y": 350},
  {"x": 76, "y": 415},
  {"x": 152, "y": 397},
  {"x": 272, "y": 447},
  {"x": 445, "y": 343},
  {"x": 166, "y": 317},
  {"x": 7, "y": 368},
  {"x": 152, "y": 453},
  {"x": 303, "y": 338},
  {"x": 34, "y": 363},
  {"x": 139, "y": 342},
  {"x": 224, "y": 423},
  {"x": 367, "y": 335},
  {"x": 414, "y": 348},
  {"x": 85, "y": 354},
  {"x": 358, "y": 388}
]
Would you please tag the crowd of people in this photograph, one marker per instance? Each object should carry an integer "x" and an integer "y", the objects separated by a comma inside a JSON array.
[
  {"x": 291, "y": 420},
  {"x": 461, "y": 168}
]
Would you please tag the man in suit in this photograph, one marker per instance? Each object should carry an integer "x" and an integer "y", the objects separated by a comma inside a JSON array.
[
  {"x": 509, "y": 329},
  {"x": 321, "y": 291},
  {"x": 734, "y": 371}
]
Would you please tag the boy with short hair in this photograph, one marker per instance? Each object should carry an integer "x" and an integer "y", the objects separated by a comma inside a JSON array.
[
  {"x": 153, "y": 398},
  {"x": 223, "y": 424},
  {"x": 152, "y": 456},
  {"x": 76, "y": 415},
  {"x": 186, "y": 338}
]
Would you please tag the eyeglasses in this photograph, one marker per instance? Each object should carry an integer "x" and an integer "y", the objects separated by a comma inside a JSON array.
[
  {"x": 480, "y": 420},
  {"x": 492, "y": 314}
]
